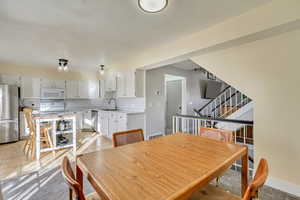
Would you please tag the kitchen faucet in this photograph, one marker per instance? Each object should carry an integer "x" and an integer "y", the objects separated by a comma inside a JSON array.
[{"x": 113, "y": 99}]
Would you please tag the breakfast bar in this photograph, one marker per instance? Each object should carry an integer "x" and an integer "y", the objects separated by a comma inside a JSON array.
[{"x": 63, "y": 132}]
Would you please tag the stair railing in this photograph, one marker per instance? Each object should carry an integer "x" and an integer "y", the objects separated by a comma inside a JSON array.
[
  {"x": 242, "y": 130},
  {"x": 227, "y": 102}
]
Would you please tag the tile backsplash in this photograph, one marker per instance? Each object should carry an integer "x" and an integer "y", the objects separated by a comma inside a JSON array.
[
  {"x": 136, "y": 104},
  {"x": 131, "y": 104}
]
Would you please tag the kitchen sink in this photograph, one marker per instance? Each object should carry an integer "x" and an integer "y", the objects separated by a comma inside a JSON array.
[{"x": 109, "y": 109}]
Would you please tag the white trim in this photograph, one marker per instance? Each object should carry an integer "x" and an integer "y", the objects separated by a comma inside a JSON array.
[{"x": 283, "y": 186}]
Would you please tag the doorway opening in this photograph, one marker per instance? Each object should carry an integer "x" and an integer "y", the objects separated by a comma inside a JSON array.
[{"x": 175, "y": 95}]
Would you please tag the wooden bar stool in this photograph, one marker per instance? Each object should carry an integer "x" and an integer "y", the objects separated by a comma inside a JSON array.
[
  {"x": 29, "y": 147},
  {"x": 211, "y": 192}
]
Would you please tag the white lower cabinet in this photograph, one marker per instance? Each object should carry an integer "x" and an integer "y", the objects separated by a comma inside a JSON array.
[
  {"x": 79, "y": 120},
  {"x": 111, "y": 121},
  {"x": 103, "y": 122}
]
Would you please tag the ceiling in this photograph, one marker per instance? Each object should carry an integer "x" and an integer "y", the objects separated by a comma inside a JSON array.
[
  {"x": 186, "y": 65},
  {"x": 92, "y": 32}
]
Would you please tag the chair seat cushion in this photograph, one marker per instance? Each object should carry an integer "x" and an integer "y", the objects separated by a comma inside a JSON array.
[
  {"x": 92, "y": 196},
  {"x": 211, "y": 192}
]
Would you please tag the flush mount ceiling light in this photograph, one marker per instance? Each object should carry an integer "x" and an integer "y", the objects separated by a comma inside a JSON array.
[
  {"x": 152, "y": 6},
  {"x": 101, "y": 69},
  {"x": 63, "y": 65}
]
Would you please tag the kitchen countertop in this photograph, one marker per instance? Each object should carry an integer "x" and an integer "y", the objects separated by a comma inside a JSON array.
[
  {"x": 78, "y": 110},
  {"x": 104, "y": 109}
]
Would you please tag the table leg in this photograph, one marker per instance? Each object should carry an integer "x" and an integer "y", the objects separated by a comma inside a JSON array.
[
  {"x": 244, "y": 173},
  {"x": 79, "y": 176}
]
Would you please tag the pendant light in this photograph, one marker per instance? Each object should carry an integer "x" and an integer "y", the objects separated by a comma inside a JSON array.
[
  {"x": 63, "y": 65},
  {"x": 152, "y": 6},
  {"x": 101, "y": 69}
]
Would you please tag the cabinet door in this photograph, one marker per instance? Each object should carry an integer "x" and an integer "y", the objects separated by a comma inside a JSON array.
[
  {"x": 93, "y": 89},
  {"x": 140, "y": 83},
  {"x": 30, "y": 87},
  {"x": 122, "y": 122},
  {"x": 61, "y": 84},
  {"x": 121, "y": 85},
  {"x": 52, "y": 83},
  {"x": 79, "y": 121},
  {"x": 83, "y": 90},
  {"x": 72, "y": 89},
  {"x": 47, "y": 83},
  {"x": 10, "y": 79},
  {"x": 113, "y": 123},
  {"x": 103, "y": 123},
  {"x": 101, "y": 88},
  {"x": 24, "y": 130},
  {"x": 130, "y": 83},
  {"x": 110, "y": 81}
]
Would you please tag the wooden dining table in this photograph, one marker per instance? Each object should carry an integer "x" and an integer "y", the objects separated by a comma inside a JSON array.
[{"x": 169, "y": 167}]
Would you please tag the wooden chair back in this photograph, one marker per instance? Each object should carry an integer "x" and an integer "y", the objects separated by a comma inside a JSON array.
[
  {"x": 260, "y": 178},
  {"x": 127, "y": 137},
  {"x": 29, "y": 120},
  {"x": 217, "y": 134},
  {"x": 74, "y": 186}
]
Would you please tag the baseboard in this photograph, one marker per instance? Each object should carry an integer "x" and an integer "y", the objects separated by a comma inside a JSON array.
[{"x": 283, "y": 186}]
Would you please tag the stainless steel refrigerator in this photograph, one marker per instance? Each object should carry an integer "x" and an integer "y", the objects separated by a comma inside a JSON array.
[{"x": 9, "y": 113}]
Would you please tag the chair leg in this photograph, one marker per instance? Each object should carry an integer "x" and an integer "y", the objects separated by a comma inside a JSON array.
[
  {"x": 70, "y": 194},
  {"x": 49, "y": 141},
  {"x": 33, "y": 148},
  {"x": 217, "y": 181},
  {"x": 25, "y": 145}
]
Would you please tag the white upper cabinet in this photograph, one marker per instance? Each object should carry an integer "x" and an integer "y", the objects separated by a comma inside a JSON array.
[
  {"x": 111, "y": 81},
  {"x": 72, "y": 89},
  {"x": 129, "y": 83},
  {"x": 140, "y": 83},
  {"x": 101, "y": 88},
  {"x": 121, "y": 85},
  {"x": 10, "y": 79},
  {"x": 93, "y": 89},
  {"x": 52, "y": 83},
  {"x": 88, "y": 89},
  {"x": 30, "y": 87},
  {"x": 82, "y": 89}
]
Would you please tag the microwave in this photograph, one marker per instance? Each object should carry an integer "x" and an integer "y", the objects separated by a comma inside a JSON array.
[{"x": 52, "y": 93}]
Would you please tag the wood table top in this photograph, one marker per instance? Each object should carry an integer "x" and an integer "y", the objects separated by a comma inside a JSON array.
[{"x": 170, "y": 167}]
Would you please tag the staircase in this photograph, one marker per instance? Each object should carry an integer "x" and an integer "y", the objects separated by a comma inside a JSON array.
[{"x": 224, "y": 105}]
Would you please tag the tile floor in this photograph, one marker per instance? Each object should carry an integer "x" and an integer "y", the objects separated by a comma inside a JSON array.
[{"x": 13, "y": 161}]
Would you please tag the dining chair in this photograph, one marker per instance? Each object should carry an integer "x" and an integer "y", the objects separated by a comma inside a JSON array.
[
  {"x": 211, "y": 192},
  {"x": 1, "y": 196},
  {"x": 127, "y": 137},
  {"x": 74, "y": 187},
  {"x": 29, "y": 147},
  {"x": 217, "y": 134}
]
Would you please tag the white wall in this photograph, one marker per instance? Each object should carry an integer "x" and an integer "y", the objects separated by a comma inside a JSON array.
[
  {"x": 261, "y": 70},
  {"x": 155, "y": 103},
  {"x": 268, "y": 71}
]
